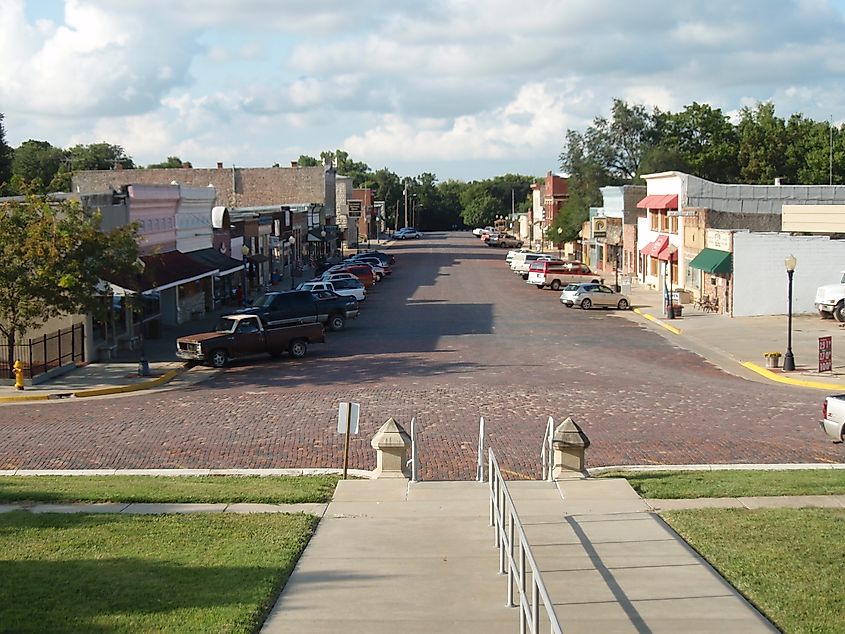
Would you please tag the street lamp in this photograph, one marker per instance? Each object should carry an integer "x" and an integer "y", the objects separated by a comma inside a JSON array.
[
  {"x": 559, "y": 233},
  {"x": 291, "y": 243},
  {"x": 245, "y": 254},
  {"x": 788, "y": 358},
  {"x": 670, "y": 306}
]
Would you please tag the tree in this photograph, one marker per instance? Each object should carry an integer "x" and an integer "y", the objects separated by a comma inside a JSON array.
[
  {"x": 53, "y": 256},
  {"x": 99, "y": 156},
  {"x": 762, "y": 145},
  {"x": 307, "y": 161},
  {"x": 37, "y": 162},
  {"x": 479, "y": 207},
  {"x": 5, "y": 159},
  {"x": 170, "y": 163},
  {"x": 619, "y": 143}
]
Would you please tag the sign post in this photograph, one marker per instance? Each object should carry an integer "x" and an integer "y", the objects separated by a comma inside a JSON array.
[
  {"x": 825, "y": 354},
  {"x": 347, "y": 423}
]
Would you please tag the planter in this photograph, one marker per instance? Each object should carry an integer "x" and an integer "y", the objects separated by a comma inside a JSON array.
[{"x": 773, "y": 362}]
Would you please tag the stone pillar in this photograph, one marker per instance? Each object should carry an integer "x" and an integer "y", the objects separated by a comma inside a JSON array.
[
  {"x": 570, "y": 443},
  {"x": 391, "y": 443}
]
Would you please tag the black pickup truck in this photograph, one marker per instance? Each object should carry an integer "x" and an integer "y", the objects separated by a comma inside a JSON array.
[
  {"x": 244, "y": 336},
  {"x": 286, "y": 308}
]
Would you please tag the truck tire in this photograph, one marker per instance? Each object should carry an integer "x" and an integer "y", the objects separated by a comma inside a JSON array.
[
  {"x": 336, "y": 322},
  {"x": 839, "y": 312},
  {"x": 825, "y": 315},
  {"x": 298, "y": 348},
  {"x": 218, "y": 358},
  {"x": 555, "y": 285}
]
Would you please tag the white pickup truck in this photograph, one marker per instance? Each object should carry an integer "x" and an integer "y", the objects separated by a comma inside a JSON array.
[
  {"x": 830, "y": 300},
  {"x": 833, "y": 417}
]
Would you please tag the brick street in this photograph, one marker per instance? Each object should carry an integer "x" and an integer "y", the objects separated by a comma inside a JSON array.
[{"x": 451, "y": 336}]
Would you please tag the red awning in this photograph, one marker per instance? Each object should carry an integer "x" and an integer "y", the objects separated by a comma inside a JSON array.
[
  {"x": 666, "y": 255},
  {"x": 659, "y": 201},
  {"x": 653, "y": 249}
]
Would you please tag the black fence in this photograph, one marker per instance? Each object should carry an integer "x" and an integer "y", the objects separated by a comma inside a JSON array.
[{"x": 42, "y": 354}]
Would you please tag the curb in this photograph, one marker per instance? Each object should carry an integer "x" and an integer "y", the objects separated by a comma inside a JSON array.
[
  {"x": 179, "y": 473},
  {"x": 779, "y": 378},
  {"x": 657, "y": 321},
  {"x": 103, "y": 391}
]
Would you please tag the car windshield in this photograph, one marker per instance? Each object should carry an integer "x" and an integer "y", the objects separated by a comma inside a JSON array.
[
  {"x": 263, "y": 301},
  {"x": 226, "y": 324}
]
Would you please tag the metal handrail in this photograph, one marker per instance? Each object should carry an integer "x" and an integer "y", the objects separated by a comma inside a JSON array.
[
  {"x": 479, "y": 465},
  {"x": 547, "y": 453},
  {"x": 509, "y": 535},
  {"x": 412, "y": 462}
]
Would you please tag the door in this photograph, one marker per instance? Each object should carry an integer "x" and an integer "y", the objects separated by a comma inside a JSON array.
[
  {"x": 292, "y": 308},
  {"x": 249, "y": 339}
]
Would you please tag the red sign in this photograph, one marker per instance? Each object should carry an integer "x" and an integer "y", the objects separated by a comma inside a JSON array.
[{"x": 825, "y": 354}]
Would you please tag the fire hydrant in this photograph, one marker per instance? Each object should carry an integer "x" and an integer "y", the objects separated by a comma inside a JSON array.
[{"x": 17, "y": 368}]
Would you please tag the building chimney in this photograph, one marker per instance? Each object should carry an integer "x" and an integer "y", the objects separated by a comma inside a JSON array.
[
  {"x": 294, "y": 164},
  {"x": 220, "y": 165},
  {"x": 777, "y": 180}
]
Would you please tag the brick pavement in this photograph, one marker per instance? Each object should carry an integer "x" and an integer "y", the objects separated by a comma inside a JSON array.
[{"x": 452, "y": 336}]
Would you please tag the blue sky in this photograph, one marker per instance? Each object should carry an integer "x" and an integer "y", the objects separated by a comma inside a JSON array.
[{"x": 462, "y": 89}]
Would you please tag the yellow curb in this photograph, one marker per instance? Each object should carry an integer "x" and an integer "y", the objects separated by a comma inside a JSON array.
[
  {"x": 27, "y": 397},
  {"x": 135, "y": 387},
  {"x": 818, "y": 385},
  {"x": 659, "y": 322}
]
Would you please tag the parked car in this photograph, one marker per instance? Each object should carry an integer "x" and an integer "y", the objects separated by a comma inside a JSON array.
[
  {"x": 386, "y": 258},
  {"x": 556, "y": 274},
  {"x": 588, "y": 295},
  {"x": 504, "y": 241},
  {"x": 514, "y": 252},
  {"x": 482, "y": 230},
  {"x": 406, "y": 233},
  {"x": 247, "y": 335},
  {"x": 358, "y": 292},
  {"x": 522, "y": 262},
  {"x": 833, "y": 417},
  {"x": 334, "y": 276},
  {"x": 378, "y": 270},
  {"x": 286, "y": 308},
  {"x": 363, "y": 272}
]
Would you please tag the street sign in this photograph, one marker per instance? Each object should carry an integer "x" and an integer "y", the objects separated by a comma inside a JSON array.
[
  {"x": 347, "y": 415},
  {"x": 354, "y": 214},
  {"x": 825, "y": 354},
  {"x": 353, "y": 205}
]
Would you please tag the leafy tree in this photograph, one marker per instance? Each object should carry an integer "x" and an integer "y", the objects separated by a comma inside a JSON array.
[
  {"x": 449, "y": 196},
  {"x": 53, "y": 256},
  {"x": 171, "y": 162},
  {"x": 37, "y": 162},
  {"x": 762, "y": 145},
  {"x": 347, "y": 167},
  {"x": 307, "y": 161},
  {"x": 619, "y": 143},
  {"x": 5, "y": 159},
  {"x": 479, "y": 207},
  {"x": 99, "y": 156}
]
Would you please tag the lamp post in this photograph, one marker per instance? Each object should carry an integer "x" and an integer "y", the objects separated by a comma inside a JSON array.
[
  {"x": 788, "y": 358},
  {"x": 245, "y": 254},
  {"x": 670, "y": 306},
  {"x": 291, "y": 243},
  {"x": 559, "y": 233}
]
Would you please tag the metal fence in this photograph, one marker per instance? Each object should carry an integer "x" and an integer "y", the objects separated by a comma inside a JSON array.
[{"x": 42, "y": 354}]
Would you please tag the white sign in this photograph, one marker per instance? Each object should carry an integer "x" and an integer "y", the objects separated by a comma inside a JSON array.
[{"x": 342, "y": 414}]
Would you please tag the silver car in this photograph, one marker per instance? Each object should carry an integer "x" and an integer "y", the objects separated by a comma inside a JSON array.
[{"x": 588, "y": 295}]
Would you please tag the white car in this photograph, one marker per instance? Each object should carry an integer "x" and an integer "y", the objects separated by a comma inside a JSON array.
[
  {"x": 340, "y": 288},
  {"x": 514, "y": 252},
  {"x": 482, "y": 230},
  {"x": 588, "y": 295},
  {"x": 331, "y": 276},
  {"x": 406, "y": 233}
]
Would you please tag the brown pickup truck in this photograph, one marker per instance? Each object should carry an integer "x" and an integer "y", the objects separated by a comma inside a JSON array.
[{"x": 246, "y": 335}]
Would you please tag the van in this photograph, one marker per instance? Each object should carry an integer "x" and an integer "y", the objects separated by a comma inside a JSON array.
[
  {"x": 521, "y": 262},
  {"x": 556, "y": 274}
]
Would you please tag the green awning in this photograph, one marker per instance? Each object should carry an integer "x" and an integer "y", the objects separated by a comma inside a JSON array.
[{"x": 712, "y": 261}]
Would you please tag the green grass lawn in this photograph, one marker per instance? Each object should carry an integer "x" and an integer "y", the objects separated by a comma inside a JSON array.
[
  {"x": 144, "y": 573},
  {"x": 205, "y": 489},
  {"x": 788, "y": 562},
  {"x": 719, "y": 484}
]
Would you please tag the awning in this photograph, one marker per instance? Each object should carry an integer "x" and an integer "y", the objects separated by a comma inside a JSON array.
[
  {"x": 659, "y": 201},
  {"x": 668, "y": 253},
  {"x": 163, "y": 271},
  {"x": 713, "y": 261},
  {"x": 653, "y": 249},
  {"x": 212, "y": 257}
]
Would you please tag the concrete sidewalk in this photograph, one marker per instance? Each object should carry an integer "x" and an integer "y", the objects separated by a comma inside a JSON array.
[{"x": 737, "y": 344}]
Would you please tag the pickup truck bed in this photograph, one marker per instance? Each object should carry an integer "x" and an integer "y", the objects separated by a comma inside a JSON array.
[{"x": 833, "y": 417}]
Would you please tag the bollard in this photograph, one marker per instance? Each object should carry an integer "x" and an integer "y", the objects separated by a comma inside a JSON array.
[
  {"x": 391, "y": 443},
  {"x": 570, "y": 444},
  {"x": 17, "y": 368}
]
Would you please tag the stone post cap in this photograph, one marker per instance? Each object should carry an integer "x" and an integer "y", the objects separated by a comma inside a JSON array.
[
  {"x": 391, "y": 435},
  {"x": 569, "y": 434}
]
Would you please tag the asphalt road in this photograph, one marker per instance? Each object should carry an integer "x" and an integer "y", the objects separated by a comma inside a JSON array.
[{"x": 452, "y": 335}]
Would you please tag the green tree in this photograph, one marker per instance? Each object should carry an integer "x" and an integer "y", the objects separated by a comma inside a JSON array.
[
  {"x": 762, "y": 145},
  {"x": 5, "y": 160},
  {"x": 307, "y": 161},
  {"x": 99, "y": 156},
  {"x": 171, "y": 162},
  {"x": 619, "y": 143},
  {"x": 53, "y": 256},
  {"x": 479, "y": 207},
  {"x": 37, "y": 162},
  {"x": 449, "y": 195}
]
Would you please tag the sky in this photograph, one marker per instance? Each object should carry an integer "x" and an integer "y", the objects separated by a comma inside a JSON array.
[{"x": 463, "y": 89}]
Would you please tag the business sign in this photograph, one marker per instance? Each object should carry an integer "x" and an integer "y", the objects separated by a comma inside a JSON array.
[
  {"x": 599, "y": 227},
  {"x": 674, "y": 213},
  {"x": 347, "y": 418},
  {"x": 353, "y": 205},
  {"x": 825, "y": 354}
]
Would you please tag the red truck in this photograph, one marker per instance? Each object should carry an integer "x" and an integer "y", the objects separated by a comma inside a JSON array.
[{"x": 246, "y": 335}]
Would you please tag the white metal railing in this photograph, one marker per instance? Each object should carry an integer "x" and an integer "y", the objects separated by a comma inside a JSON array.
[
  {"x": 547, "y": 452},
  {"x": 479, "y": 465},
  {"x": 515, "y": 557},
  {"x": 413, "y": 461}
]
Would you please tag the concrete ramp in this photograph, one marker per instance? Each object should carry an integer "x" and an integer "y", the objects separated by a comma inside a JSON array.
[
  {"x": 389, "y": 557},
  {"x": 611, "y": 565}
]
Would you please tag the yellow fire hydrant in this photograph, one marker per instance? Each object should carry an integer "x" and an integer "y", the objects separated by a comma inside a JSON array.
[{"x": 17, "y": 368}]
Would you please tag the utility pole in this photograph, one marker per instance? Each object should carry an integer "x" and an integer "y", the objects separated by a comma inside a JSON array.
[
  {"x": 406, "y": 204},
  {"x": 830, "y": 127}
]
